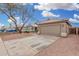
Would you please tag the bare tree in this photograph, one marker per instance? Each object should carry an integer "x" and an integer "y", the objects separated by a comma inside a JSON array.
[{"x": 12, "y": 10}]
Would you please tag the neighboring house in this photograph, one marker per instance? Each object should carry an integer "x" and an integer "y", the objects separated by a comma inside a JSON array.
[
  {"x": 30, "y": 28},
  {"x": 54, "y": 27}
]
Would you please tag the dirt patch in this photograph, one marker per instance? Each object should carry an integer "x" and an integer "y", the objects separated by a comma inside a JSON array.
[{"x": 10, "y": 36}]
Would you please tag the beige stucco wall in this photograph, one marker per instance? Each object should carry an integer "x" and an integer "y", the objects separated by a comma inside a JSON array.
[{"x": 53, "y": 29}]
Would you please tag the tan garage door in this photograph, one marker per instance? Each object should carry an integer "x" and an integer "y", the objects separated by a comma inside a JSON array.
[{"x": 52, "y": 29}]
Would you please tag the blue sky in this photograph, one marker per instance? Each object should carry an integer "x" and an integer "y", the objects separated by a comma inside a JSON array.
[{"x": 41, "y": 13}]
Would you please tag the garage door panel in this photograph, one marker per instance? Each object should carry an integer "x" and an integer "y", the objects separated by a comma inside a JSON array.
[{"x": 50, "y": 29}]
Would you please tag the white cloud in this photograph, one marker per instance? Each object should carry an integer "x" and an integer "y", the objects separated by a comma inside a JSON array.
[
  {"x": 75, "y": 19},
  {"x": 17, "y": 18},
  {"x": 10, "y": 21},
  {"x": 76, "y": 16},
  {"x": 42, "y": 7},
  {"x": 49, "y": 14},
  {"x": 49, "y": 6},
  {"x": 1, "y": 25}
]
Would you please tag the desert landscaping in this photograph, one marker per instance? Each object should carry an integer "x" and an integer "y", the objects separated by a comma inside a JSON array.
[{"x": 39, "y": 29}]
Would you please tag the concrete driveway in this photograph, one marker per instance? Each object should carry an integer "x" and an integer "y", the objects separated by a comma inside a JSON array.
[{"x": 27, "y": 46}]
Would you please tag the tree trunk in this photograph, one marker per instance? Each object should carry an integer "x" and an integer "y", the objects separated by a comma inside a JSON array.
[{"x": 20, "y": 31}]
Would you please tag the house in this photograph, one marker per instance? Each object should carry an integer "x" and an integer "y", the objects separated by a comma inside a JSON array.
[
  {"x": 54, "y": 27},
  {"x": 30, "y": 28}
]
